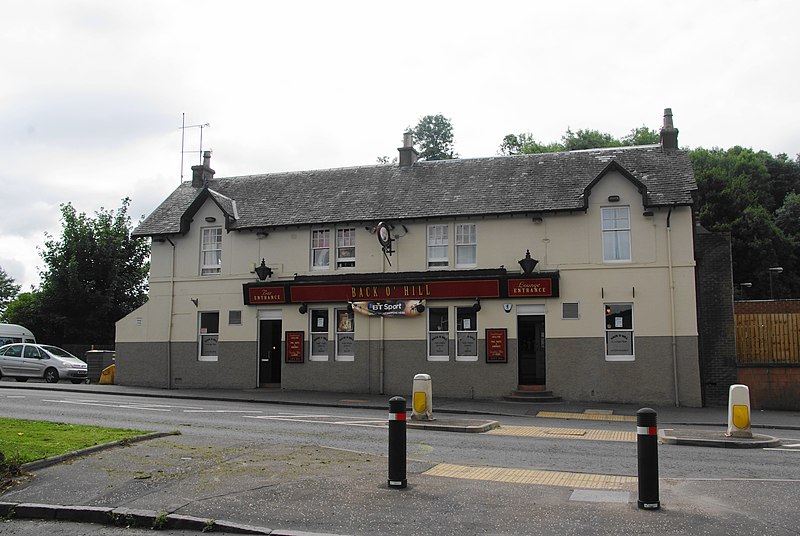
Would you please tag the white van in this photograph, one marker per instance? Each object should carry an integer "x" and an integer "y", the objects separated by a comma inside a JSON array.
[{"x": 11, "y": 333}]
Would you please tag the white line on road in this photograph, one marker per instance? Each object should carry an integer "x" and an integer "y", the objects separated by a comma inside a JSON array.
[{"x": 220, "y": 411}]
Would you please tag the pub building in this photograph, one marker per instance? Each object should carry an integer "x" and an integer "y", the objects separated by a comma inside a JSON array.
[{"x": 570, "y": 273}]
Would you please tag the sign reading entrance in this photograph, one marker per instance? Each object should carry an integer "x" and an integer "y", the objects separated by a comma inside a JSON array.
[
  {"x": 390, "y": 307},
  {"x": 530, "y": 287},
  {"x": 257, "y": 295},
  {"x": 294, "y": 346},
  {"x": 496, "y": 345}
]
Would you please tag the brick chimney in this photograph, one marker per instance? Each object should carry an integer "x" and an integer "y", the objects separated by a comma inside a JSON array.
[
  {"x": 202, "y": 174},
  {"x": 408, "y": 155},
  {"x": 669, "y": 134}
]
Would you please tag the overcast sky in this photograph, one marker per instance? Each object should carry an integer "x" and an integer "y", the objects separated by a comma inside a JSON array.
[{"x": 92, "y": 91}]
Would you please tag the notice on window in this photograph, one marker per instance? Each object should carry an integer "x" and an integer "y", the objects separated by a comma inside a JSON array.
[
  {"x": 618, "y": 322},
  {"x": 208, "y": 345},
  {"x": 346, "y": 345},
  {"x": 468, "y": 344},
  {"x": 619, "y": 343},
  {"x": 439, "y": 345},
  {"x": 319, "y": 344}
]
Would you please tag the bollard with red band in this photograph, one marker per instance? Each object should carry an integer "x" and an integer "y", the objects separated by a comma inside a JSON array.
[
  {"x": 647, "y": 450},
  {"x": 397, "y": 442}
]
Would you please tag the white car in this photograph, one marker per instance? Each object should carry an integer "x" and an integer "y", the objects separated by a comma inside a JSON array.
[{"x": 23, "y": 361}]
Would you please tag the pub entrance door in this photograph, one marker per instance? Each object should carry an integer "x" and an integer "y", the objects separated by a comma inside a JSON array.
[
  {"x": 531, "y": 349},
  {"x": 269, "y": 351}
]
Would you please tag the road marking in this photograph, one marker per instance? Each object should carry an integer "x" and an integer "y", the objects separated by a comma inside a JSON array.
[
  {"x": 147, "y": 407},
  {"x": 221, "y": 411},
  {"x": 564, "y": 433},
  {"x": 585, "y": 416},
  {"x": 535, "y": 477},
  {"x": 15, "y": 396},
  {"x": 320, "y": 419}
]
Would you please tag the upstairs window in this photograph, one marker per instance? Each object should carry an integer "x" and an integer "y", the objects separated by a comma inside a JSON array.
[
  {"x": 320, "y": 249},
  {"x": 616, "y": 234},
  {"x": 346, "y": 248},
  {"x": 466, "y": 245},
  {"x": 211, "y": 251},
  {"x": 437, "y": 246}
]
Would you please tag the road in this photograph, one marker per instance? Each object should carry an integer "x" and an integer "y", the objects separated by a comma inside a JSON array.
[{"x": 364, "y": 431}]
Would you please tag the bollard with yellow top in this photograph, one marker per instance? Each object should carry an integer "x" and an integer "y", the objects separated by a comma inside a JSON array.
[
  {"x": 739, "y": 411},
  {"x": 422, "y": 402}
]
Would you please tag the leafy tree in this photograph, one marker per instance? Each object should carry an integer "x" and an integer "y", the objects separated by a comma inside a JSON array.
[
  {"x": 641, "y": 136},
  {"x": 434, "y": 135},
  {"x": 8, "y": 290},
  {"x": 787, "y": 218},
  {"x": 588, "y": 139},
  {"x": 526, "y": 144},
  {"x": 95, "y": 274}
]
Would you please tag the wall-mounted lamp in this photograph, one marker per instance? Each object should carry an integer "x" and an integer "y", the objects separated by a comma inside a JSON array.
[
  {"x": 613, "y": 198},
  {"x": 477, "y": 305},
  {"x": 263, "y": 271},
  {"x": 647, "y": 213},
  {"x": 536, "y": 219},
  {"x": 195, "y": 301},
  {"x": 303, "y": 308},
  {"x": 211, "y": 219},
  {"x": 528, "y": 263}
]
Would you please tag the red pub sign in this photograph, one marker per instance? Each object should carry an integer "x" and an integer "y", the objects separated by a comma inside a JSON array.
[
  {"x": 405, "y": 291},
  {"x": 258, "y": 295},
  {"x": 518, "y": 288}
]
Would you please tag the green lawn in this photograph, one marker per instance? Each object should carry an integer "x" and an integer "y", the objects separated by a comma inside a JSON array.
[{"x": 26, "y": 441}]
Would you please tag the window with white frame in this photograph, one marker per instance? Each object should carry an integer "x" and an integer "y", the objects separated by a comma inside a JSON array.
[
  {"x": 619, "y": 331},
  {"x": 466, "y": 245},
  {"x": 319, "y": 335},
  {"x": 346, "y": 248},
  {"x": 616, "y": 234},
  {"x": 438, "y": 334},
  {"x": 437, "y": 246},
  {"x": 345, "y": 335},
  {"x": 320, "y": 249},
  {"x": 208, "y": 336},
  {"x": 211, "y": 251},
  {"x": 466, "y": 334}
]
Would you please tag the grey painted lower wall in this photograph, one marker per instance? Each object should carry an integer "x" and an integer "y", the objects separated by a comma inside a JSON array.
[{"x": 576, "y": 370}]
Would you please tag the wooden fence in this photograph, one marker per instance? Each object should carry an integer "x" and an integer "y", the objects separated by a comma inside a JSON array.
[{"x": 767, "y": 338}]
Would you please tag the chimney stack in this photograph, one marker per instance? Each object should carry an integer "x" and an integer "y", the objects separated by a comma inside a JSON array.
[
  {"x": 202, "y": 174},
  {"x": 669, "y": 134},
  {"x": 408, "y": 155}
]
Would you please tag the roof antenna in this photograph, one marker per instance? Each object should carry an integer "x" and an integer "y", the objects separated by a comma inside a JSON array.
[{"x": 183, "y": 128}]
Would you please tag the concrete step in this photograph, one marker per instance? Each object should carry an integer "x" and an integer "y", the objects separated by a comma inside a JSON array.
[{"x": 537, "y": 397}]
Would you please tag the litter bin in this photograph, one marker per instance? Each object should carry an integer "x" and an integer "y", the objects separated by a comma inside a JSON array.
[{"x": 422, "y": 403}]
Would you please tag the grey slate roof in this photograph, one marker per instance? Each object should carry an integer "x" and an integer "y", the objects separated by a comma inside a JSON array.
[{"x": 537, "y": 183}]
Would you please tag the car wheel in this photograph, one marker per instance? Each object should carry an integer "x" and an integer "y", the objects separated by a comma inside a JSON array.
[
  {"x": 21, "y": 379},
  {"x": 51, "y": 375}
]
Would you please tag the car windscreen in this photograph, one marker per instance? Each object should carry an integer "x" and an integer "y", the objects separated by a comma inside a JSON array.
[{"x": 59, "y": 352}]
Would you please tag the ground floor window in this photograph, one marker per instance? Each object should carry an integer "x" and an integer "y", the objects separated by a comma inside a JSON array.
[
  {"x": 438, "y": 334},
  {"x": 319, "y": 335},
  {"x": 466, "y": 334},
  {"x": 345, "y": 335},
  {"x": 619, "y": 331},
  {"x": 208, "y": 336}
]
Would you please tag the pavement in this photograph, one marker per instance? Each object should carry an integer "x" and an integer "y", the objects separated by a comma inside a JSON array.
[{"x": 107, "y": 489}]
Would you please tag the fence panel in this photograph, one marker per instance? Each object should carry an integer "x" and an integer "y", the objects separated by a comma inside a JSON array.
[{"x": 768, "y": 338}]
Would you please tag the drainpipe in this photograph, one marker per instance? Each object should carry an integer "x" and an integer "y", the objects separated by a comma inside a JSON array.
[
  {"x": 381, "y": 370},
  {"x": 672, "y": 310},
  {"x": 169, "y": 323}
]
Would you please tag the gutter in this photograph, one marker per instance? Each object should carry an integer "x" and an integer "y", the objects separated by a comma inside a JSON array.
[{"x": 169, "y": 322}]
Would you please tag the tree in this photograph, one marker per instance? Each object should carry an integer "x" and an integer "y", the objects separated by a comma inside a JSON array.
[
  {"x": 525, "y": 143},
  {"x": 95, "y": 274},
  {"x": 434, "y": 135},
  {"x": 588, "y": 139},
  {"x": 8, "y": 290},
  {"x": 641, "y": 136}
]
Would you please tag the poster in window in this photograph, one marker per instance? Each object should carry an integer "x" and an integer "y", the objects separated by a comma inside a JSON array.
[
  {"x": 619, "y": 342},
  {"x": 439, "y": 345},
  {"x": 496, "y": 345},
  {"x": 294, "y": 346},
  {"x": 467, "y": 343},
  {"x": 208, "y": 345},
  {"x": 346, "y": 344},
  {"x": 319, "y": 344}
]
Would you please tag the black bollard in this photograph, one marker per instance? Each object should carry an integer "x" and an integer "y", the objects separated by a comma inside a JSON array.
[
  {"x": 647, "y": 450},
  {"x": 397, "y": 442}
]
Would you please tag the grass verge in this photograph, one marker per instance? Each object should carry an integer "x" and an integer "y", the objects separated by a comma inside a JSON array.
[{"x": 27, "y": 441}]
